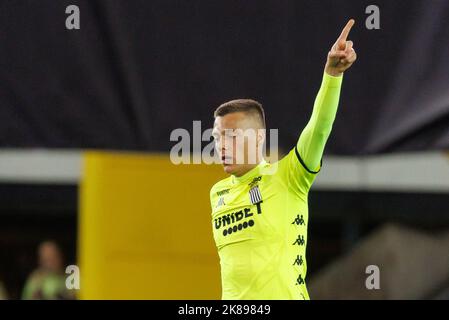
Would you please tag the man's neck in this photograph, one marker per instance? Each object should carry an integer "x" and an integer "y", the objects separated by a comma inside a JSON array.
[{"x": 249, "y": 167}]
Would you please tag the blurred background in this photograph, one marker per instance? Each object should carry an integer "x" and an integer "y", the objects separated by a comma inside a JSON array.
[{"x": 85, "y": 122}]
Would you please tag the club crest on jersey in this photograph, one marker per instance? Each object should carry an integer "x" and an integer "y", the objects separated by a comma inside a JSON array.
[{"x": 255, "y": 197}]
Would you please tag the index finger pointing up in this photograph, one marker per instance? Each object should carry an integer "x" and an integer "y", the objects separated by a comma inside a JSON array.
[{"x": 344, "y": 34}]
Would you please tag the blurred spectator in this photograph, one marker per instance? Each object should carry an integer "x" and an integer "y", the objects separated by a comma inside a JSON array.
[{"x": 47, "y": 282}]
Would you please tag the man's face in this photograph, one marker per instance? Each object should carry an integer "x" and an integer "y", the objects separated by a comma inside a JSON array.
[
  {"x": 238, "y": 142},
  {"x": 50, "y": 257}
]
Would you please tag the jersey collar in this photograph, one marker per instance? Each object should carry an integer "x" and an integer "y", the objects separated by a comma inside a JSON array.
[{"x": 250, "y": 174}]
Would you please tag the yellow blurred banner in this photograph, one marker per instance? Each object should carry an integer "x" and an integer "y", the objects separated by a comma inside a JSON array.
[{"x": 145, "y": 228}]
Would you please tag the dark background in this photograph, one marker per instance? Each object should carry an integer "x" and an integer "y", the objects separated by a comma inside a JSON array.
[{"x": 136, "y": 70}]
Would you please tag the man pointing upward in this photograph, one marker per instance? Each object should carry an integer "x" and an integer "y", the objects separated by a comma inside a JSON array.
[{"x": 260, "y": 216}]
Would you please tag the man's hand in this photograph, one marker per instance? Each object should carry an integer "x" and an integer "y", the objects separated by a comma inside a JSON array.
[{"x": 342, "y": 55}]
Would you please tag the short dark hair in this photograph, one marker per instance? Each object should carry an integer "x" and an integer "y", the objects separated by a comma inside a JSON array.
[{"x": 248, "y": 106}]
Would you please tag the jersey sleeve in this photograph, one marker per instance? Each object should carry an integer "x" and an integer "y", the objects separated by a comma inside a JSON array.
[
  {"x": 301, "y": 165},
  {"x": 294, "y": 174}
]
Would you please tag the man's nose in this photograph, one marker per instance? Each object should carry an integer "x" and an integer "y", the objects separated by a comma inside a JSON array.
[{"x": 220, "y": 147}]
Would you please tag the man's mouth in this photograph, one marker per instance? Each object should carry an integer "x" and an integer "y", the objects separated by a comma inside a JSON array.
[{"x": 226, "y": 160}]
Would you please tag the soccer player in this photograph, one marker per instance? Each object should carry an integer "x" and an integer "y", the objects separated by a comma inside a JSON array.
[{"x": 259, "y": 215}]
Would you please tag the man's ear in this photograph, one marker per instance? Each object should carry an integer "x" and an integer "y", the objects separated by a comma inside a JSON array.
[{"x": 261, "y": 136}]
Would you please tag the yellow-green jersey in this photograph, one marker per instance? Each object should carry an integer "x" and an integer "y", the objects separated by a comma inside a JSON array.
[{"x": 260, "y": 219}]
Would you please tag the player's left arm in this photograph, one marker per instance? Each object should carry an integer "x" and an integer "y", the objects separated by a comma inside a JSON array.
[{"x": 314, "y": 136}]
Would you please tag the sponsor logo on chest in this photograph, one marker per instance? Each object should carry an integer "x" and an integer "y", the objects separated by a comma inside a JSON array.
[{"x": 241, "y": 219}]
